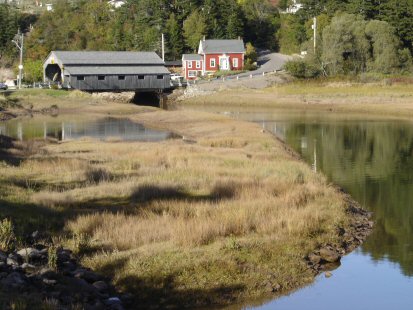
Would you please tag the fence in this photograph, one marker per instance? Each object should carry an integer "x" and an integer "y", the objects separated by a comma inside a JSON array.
[{"x": 241, "y": 76}]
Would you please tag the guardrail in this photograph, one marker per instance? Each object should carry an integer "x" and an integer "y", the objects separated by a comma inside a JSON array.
[{"x": 241, "y": 76}]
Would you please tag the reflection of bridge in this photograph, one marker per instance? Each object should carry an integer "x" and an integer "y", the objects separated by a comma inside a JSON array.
[{"x": 71, "y": 130}]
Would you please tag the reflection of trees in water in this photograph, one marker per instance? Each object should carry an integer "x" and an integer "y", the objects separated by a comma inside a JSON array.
[{"x": 373, "y": 161}]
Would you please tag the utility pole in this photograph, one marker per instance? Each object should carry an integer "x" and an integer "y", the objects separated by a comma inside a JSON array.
[
  {"x": 163, "y": 47},
  {"x": 315, "y": 33},
  {"x": 19, "y": 42}
]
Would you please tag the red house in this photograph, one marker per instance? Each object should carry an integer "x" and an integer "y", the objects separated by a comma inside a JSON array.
[{"x": 214, "y": 55}]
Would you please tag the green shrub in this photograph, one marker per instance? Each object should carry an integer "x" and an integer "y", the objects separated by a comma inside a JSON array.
[{"x": 301, "y": 68}]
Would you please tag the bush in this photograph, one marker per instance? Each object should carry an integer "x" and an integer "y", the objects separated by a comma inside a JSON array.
[
  {"x": 33, "y": 71},
  {"x": 302, "y": 69}
]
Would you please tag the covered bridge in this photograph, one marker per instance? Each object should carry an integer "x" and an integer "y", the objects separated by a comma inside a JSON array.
[{"x": 107, "y": 71}]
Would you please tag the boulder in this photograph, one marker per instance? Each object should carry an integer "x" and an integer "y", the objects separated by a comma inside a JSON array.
[
  {"x": 3, "y": 256},
  {"x": 101, "y": 286},
  {"x": 14, "y": 280},
  {"x": 28, "y": 267},
  {"x": 314, "y": 258},
  {"x": 114, "y": 303},
  {"x": 87, "y": 275},
  {"x": 29, "y": 253},
  {"x": 11, "y": 261},
  {"x": 48, "y": 273},
  {"x": 329, "y": 255}
]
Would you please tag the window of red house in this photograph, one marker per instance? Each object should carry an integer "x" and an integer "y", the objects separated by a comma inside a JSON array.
[
  {"x": 212, "y": 62},
  {"x": 189, "y": 64}
]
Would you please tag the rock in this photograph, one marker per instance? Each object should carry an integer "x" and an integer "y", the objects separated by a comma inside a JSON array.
[
  {"x": 29, "y": 253},
  {"x": 328, "y": 274},
  {"x": 28, "y": 267},
  {"x": 329, "y": 255},
  {"x": 101, "y": 286},
  {"x": 314, "y": 258},
  {"x": 276, "y": 287},
  {"x": 14, "y": 280},
  {"x": 63, "y": 256},
  {"x": 68, "y": 267},
  {"x": 3, "y": 256},
  {"x": 12, "y": 261},
  {"x": 3, "y": 275},
  {"x": 114, "y": 303},
  {"x": 35, "y": 234},
  {"x": 48, "y": 273},
  {"x": 3, "y": 266},
  {"x": 272, "y": 288},
  {"x": 87, "y": 275},
  {"x": 49, "y": 281}
]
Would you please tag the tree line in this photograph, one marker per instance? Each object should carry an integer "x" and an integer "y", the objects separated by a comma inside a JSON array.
[
  {"x": 138, "y": 25},
  {"x": 351, "y": 26},
  {"x": 353, "y": 36}
]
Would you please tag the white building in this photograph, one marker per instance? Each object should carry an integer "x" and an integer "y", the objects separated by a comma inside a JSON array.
[
  {"x": 294, "y": 7},
  {"x": 116, "y": 3}
]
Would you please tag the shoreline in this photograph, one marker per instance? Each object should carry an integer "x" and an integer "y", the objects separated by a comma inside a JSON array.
[
  {"x": 239, "y": 263},
  {"x": 375, "y": 99}
]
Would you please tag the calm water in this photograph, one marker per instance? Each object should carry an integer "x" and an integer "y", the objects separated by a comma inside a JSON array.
[
  {"x": 75, "y": 127},
  {"x": 373, "y": 161}
]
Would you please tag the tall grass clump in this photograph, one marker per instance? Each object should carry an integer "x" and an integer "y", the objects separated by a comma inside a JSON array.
[{"x": 7, "y": 236}]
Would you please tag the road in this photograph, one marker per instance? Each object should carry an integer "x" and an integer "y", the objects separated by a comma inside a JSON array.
[{"x": 268, "y": 62}]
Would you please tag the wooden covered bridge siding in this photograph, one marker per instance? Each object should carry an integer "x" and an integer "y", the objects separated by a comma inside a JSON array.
[
  {"x": 119, "y": 82},
  {"x": 107, "y": 71}
]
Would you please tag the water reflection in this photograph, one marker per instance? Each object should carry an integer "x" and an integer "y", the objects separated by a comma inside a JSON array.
[
  {"x": 73, "y": 127},
  {"x": 373, "y": 161}
]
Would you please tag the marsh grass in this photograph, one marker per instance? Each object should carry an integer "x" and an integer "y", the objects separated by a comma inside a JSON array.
[{"x": 188, "y": 224}]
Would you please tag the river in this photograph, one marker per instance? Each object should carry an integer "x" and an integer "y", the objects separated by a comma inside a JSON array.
[{"x": 372, "y": 159}]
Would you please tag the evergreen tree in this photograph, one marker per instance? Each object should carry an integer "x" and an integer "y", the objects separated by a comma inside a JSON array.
[
  {"x": 174, "y": 38},
  {"x": 235, "y": 26},
  {"x": 194, "y": 29},
  {"x": 399, "y": 14}
]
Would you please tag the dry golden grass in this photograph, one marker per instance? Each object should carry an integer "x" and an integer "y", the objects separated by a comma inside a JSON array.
[
  {"x": 211, "y": 221},
  {"x": 379, "y": 99}
]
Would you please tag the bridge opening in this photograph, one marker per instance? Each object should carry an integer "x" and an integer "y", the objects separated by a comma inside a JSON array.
[
  {"x": 53, "y": 73},
  {"x": 152, "y": 99}
]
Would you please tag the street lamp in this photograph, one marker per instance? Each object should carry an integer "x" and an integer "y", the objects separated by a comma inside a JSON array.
[{"x": 18, "y": 41}]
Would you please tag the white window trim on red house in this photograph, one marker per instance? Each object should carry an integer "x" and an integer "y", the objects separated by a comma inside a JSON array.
[
  {"x": 192, "y": 73},
  {"x": 189, "y": 64},
  {"x": 212, "y": 60},
  {"x": 235, "y": 62},
  {"x": 198, "y": 64}
]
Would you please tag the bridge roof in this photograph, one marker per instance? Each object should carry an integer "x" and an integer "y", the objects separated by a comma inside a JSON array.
[
  {"x": 87, "y": 58},
  {"x": 115, "y": 70}
]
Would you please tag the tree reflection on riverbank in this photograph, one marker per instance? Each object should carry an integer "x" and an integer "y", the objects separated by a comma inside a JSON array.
[{"x": 373, "y": 161}]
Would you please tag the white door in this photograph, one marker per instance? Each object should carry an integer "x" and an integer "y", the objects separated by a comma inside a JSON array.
[{"x": 224, "y": 63}]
